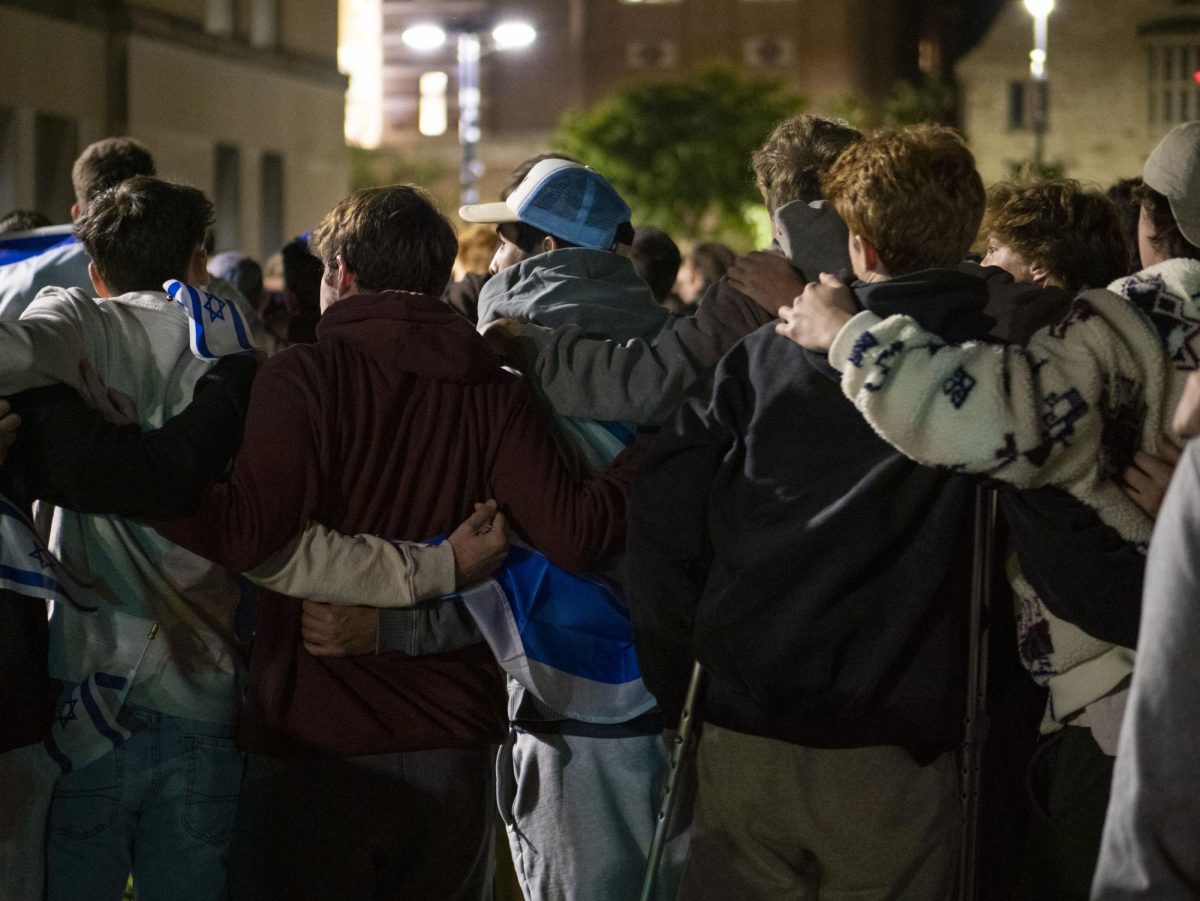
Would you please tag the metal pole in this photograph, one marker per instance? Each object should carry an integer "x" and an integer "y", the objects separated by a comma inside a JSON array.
[
  {"x": 1037, "y": 67},
  {"x": 683, "y": 737},
  {"x": 975, "y": 719},
  {"x": 468, "y": 114}
]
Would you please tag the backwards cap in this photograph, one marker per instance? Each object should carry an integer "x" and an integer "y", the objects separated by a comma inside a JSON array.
[
  {"x": 1173, "y": 170},
  {"x": 563, "y": 199}
]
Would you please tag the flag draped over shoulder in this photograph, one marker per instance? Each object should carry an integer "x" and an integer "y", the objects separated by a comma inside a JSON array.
[
  {"x": 568, "y": 639},
  {"x": 18, "y": 246},
  {"x": 217, "y": 327},
  {"x": 86, "y": 726},
  {"x": 26, "y": 565}
]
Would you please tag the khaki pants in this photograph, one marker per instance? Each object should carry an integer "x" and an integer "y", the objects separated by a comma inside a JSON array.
[{"x": 779, "y": 821}]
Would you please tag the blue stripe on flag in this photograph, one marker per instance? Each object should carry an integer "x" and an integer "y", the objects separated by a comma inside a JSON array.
[
  {"x": 198, "y": 340},
  {"x": 63, "y": 761},
  {"x": 37, "y": 580},
  {"x": 238, "y": 326},
  {"x": 14, "y": 250},
  {"x": 574, "y": 624},
  {"x": 618, "y": 430},
  {"x": 98, "y": 720}
]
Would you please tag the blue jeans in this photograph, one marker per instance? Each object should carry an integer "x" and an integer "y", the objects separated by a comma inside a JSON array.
[{"x": 161, "y": 806}]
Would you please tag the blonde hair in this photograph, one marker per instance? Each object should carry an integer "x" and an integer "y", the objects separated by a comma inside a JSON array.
[
  {"x": 912, "y": 192},
  {"x": 476, "y": 245}
]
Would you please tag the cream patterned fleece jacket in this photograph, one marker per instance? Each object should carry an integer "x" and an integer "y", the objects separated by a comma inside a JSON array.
[{"x": 1068, "y": 409}]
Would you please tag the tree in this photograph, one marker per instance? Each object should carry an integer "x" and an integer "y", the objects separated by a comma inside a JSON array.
[{"x": 679, "y": 151}]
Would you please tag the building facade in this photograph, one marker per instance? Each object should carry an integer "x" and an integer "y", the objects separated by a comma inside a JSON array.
[
  {"x": 585, "y": 49},
  {"x": 241, "y": 98},
  {"x": 1121, "y": 74}
]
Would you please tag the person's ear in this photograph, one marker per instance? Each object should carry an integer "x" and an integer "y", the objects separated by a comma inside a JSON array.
[
  {"x": 549, "y": 243},
  {"x": 346, "y": 282},
  {"x": 98, "y": 285},
  {"x": 865, "y": 251},
  {"x": 76, "y": 211},
  {"x": 197, "y": 270},
  {"x": 1039, "y": 273}
]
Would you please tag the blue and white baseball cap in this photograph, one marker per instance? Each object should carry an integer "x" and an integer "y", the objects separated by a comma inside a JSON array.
[{"x": 563, "y": 199}]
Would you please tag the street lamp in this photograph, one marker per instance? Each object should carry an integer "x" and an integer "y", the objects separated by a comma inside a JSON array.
[
  {"x": 1040, "y": 10},
  {"x": 508, "y": 35}
]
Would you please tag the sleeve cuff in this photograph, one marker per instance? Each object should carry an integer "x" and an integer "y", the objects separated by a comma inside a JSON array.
[
  {"x": 842, "y": 351},
  {"x": 433, "y": 571}
]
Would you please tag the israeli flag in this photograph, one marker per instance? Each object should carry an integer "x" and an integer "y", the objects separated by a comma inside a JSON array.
[
  {"x": 567, "y": 639},
  {"x": 18, "y": 246},
  {"x": 88, "y": 725},
  {"x": 26, "y": 565},
  {"x": 217, "y": 327}
]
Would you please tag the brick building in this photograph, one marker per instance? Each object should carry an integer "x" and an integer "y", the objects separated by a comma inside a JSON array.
[{"x": 587, "y": 48}]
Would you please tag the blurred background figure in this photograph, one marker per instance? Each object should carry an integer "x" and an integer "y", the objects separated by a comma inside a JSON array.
[
  {"x": 656, "y": 260},
  {"x": 1124, "y": 194},
  {"x": 22, "y": 221},
  {"x": 476, "y": 245},
  {"x": 302, "y": 274},
  {"x": 702, "y": 269}
]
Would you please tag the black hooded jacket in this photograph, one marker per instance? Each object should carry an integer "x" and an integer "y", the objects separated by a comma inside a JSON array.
[{"x": 819, "y": 576}]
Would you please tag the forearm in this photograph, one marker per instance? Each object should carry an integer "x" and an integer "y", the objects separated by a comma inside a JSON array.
[
  {"x": 1030, "y": 416},
  {"x": 350, "y": 570},
  {"x": 636, "y": 381},
  {"x": 75, "y": 459}
]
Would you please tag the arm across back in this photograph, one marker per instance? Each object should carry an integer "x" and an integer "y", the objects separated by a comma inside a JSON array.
[
  {"x": 636, "y": 380},
  {"x": 1032, "y": 415},
  {"x": 350, "y": 570}
]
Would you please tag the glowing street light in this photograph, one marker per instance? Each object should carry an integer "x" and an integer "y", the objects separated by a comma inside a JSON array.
[
  {"x": 507, "y": 35},
  {"x": 1040, "y": 10},
  {"x": 513, "y": 35},
  {"x": 425, "y": 36}
]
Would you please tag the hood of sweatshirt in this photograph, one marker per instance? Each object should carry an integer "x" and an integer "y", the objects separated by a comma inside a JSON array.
[
  {"x": 414, "y": 332},
  {"x": 813, "y": 237},
  {"x": 597, "y": 291}
]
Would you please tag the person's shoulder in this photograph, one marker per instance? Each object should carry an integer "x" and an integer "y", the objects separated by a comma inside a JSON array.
[{"x": 53, "y": 300}]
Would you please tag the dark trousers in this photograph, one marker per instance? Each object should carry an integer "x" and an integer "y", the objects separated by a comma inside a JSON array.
[
  {"x": 408, "y": 825},
  {"x": 1069, "y": 782}
]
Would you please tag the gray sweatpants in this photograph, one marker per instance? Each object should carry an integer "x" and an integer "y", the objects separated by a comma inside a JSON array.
[{"x": 580, "y": 815}]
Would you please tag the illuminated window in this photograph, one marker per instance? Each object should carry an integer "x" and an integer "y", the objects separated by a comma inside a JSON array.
[{"x": 431, "y": 114}]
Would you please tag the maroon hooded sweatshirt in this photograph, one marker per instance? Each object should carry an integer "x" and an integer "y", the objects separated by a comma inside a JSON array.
[{"x": 395, "y": 422}]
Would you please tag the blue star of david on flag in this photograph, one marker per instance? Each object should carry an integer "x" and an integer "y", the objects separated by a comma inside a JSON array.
[
  {"x": 67, "y": 714},
  {"x": 44, "y": 558},
  {"x": 215, "y": 307},
  {"x": 215, "y": 326}
]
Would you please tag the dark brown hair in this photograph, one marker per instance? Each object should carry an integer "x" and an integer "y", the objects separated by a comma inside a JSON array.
[
  {"x": 143, "y": 232},
  {"x": 107, "y": 163},
  {"x": 1167, "y": 238}
]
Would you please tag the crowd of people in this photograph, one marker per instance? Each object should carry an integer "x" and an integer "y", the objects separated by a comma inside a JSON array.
[{"x": 317, "y": 573}]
